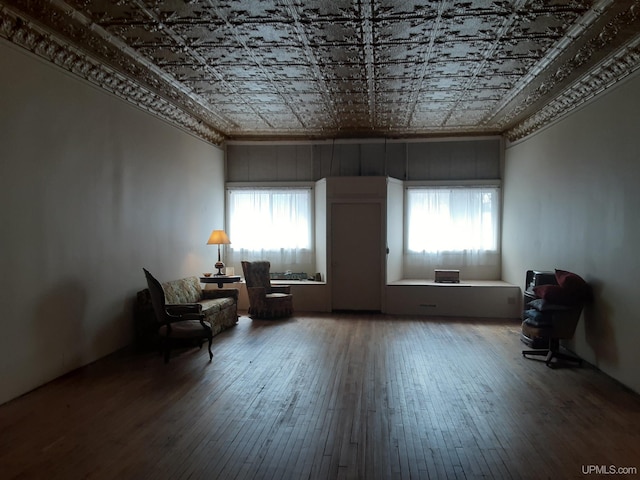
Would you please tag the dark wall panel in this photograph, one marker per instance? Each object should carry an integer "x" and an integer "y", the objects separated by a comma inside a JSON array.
[{"x": 468, "y": 159}]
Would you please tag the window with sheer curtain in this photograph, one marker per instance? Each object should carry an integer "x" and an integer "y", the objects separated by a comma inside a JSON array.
[
  {"x": 272, "y": 224},
  {"x": 451, "y": 227}
]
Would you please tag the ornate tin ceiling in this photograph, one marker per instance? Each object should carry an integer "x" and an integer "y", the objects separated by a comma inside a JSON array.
[{"x": 276, "y": 69}]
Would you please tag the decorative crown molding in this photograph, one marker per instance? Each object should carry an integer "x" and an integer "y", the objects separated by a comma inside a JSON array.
[
  {"x": 610, "y": 69},
  {"x": 606, "y": 75},
  {"x": 31, "y": 37}
]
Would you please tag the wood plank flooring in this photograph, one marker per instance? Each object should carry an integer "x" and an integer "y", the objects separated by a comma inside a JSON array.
[{"x": 327, "y": 397}]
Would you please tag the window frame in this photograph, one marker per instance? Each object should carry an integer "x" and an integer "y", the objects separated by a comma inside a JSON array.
[
  {"x": 257, "y": 186},
  {"x": 464, "y": 184}
]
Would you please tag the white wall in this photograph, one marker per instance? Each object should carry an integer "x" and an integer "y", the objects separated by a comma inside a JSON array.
[
  {"x": 572, "y": 201},
  {"x": 92, "y": 190},
  {"x": 395, "y": 229},
  {"x": 320, "y": 217}
]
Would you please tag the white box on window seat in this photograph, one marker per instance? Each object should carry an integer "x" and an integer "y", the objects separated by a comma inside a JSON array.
[{"x": 447, "y": 276}]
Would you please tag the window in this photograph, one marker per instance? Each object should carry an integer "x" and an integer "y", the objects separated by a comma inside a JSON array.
[
  {"x": 452, "y": 219},
  {"x": 451, "y": 227},
  {"x": 272, "y": 224}
]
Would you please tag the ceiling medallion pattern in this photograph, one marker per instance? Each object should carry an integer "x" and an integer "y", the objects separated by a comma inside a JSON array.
[{"x": 240, "y": 69}]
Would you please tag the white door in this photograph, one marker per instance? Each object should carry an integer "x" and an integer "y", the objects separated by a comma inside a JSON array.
[{"x": 356, "y": 256}]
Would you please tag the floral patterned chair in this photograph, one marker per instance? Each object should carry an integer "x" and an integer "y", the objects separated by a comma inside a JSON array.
[{"x": 266, "y": 300}]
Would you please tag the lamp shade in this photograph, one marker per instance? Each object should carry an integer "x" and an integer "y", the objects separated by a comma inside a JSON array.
[{"x": 218, "y": 237}]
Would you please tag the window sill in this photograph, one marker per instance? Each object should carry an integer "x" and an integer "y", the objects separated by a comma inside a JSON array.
[{"x": 463, "y": 283}]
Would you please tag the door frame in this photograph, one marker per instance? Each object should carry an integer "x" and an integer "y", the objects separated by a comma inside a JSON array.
[{"x": 383, "y": 241}]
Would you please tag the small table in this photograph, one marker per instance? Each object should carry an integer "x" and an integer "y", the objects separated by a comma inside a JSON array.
[{"x": 220, "y": 279}]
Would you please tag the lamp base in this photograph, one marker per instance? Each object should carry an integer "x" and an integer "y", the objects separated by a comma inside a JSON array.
[{"x": 219, "y": 266}]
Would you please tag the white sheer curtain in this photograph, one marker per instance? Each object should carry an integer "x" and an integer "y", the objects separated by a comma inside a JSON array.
[
  {"x": 272, "y": 224},
  {"x": 451, "y": 227}
]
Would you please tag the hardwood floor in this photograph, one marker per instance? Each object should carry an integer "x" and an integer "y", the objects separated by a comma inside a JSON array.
[{"x": 327, "y": 397}]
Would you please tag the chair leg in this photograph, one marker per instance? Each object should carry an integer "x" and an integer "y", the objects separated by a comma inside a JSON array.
[
  {"x": 210, "y": 352},
  {"x": 564, "y": 357},
  {"x": 166, "y": 349},
  {"x": 541, "y": 352},
  {"x": 548, "y": 353},
  {"x": 552, "y": 352},
  {"x": 554, "y": 347}
]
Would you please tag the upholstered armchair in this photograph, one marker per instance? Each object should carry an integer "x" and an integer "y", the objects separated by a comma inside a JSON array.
[
  {"x": 178, "y": 322},
  {"x": 266, "y": 300}
]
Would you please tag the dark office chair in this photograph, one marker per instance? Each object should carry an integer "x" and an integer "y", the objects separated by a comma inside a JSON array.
[
  {"x": 554, "y": 315},
  {"x": 561, "y": 325},
  {"x": 178, "y": 322}
]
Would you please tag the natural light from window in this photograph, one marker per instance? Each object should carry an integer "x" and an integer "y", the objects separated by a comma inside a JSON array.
[
  {"x": 270, "y": 219},
  {"x": 452, "y": 219}
]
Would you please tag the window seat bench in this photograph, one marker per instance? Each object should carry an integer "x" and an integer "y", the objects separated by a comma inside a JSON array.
[
  {"x": 469, "y": 298},
  {"x": 308, "y": 295}
]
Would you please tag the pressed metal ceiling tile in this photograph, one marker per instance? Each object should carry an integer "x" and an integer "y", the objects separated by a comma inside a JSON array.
[
  {"x": 321, "y": 68},
  {"x": 468, "y": 117},
  {"x": 333, "y": 32},
  {"x": 260, "y": 35},
  {"x": 435, "y": 117}
]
